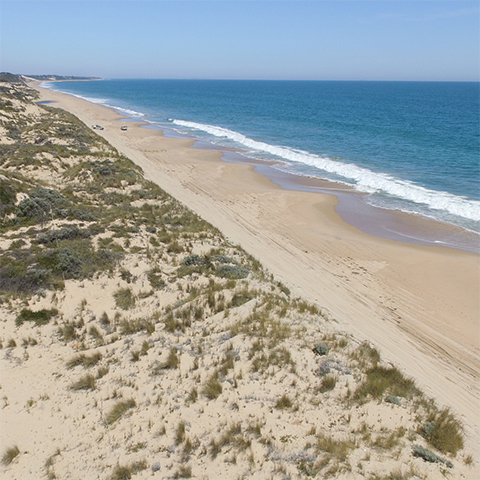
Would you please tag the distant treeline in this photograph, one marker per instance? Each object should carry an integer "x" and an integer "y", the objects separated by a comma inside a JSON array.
[
  {"x": 60, "y": 77},
  {"x": 11, "y": 77}
]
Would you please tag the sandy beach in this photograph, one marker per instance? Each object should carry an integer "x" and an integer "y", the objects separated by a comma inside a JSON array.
[
  {"x": 167, "y": 314},
  {"x": 418, "y": 304}
]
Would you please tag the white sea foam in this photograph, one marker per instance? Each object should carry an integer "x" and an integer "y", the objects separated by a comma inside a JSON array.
[
  {"x": 126, "y": 111},
  {"x": 99, "y": 101},
  {"x": 363, "y": 179}
]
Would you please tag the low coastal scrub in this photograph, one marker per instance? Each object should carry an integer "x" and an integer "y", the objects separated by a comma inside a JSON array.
[
  {"x": 380, "y": 380},
  {"x": 428, "y": 456},
  {"x": 39, "y": 317}
]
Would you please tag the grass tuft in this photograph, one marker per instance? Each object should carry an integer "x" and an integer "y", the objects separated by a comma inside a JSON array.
[
  {"x": 283, "y": 402},
  {"x": 118, "y": 410},
  {"x": 380, "y": 380},
  {"x": 86, "y": 361},
  {"x": 212, "y": 387},
  {"x": 87, "y": 382},
  {"x": 443, "y": 431},
  {"x": 10, "y": 455},
  {"x": 124, "y": 298}
]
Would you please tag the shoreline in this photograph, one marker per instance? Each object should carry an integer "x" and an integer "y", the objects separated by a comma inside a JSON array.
[
  {"x": 354, "y": 210},
  {"x": 418, "y": 304},
  {"x": 390, "y": 222}
]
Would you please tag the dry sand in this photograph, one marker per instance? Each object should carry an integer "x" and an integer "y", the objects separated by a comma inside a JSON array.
[{"x": 418, "y": 304}]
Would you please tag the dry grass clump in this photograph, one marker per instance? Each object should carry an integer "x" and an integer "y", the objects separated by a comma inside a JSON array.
[
  {"x": 339, "y": 449},
  {"x": 283, "y": 402},
  {"x": 328, "y": 383},
  {"x": 87, "y": 382},
  {"x": 129, "y": 327},
  {"x": 124, "y": 298},
  {"x": 233, "y": 437},
  {"x": 118, "y": 410},
  {"x": 125, "y": 472},
  {"x": 10, "y": 454},
  {"x": 85, "y": 361},
  {"x": 184, "y": 471},
  {"x": 443, "y": 431},
  {"x": 212, "y": 388},
  {"x": 380, "y": 380},
  {"x": 180, "y": 433}
]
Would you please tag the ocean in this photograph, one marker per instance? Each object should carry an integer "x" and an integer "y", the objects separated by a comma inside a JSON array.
[{"x": 408, "y": 146}]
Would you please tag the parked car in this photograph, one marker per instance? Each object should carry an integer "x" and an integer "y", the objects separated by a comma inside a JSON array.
[
  {"x": 97, "y": 127},
  {"x": 123, "y": 127}
]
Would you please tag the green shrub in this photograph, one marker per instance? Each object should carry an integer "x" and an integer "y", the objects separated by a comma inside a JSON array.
[
  {"x": 194, "y": 259},
  {"x": 40, "y": 317},
  {"x": 64, "y": 233},
  {"x": 393, "y": 399},
  {"x": 428, "y": 456},
  {"x": 320, "y": 349},
  {"x": 41, "y": 204},
  {"x": 232, "y": 272}
]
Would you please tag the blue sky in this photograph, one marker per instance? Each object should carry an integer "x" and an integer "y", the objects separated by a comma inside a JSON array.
[{"x": 313, "y": 40}]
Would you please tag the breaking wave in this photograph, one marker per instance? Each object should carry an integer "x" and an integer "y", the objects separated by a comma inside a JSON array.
[{"x": 362, "y": 179}]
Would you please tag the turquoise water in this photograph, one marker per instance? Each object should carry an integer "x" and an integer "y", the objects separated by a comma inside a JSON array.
[{"x": 410, "y": 146}]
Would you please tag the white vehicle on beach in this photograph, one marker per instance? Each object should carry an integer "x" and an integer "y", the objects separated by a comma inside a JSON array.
[
  {"x": 97, "y": 127},
  {"x": 123, "y": 127}
]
